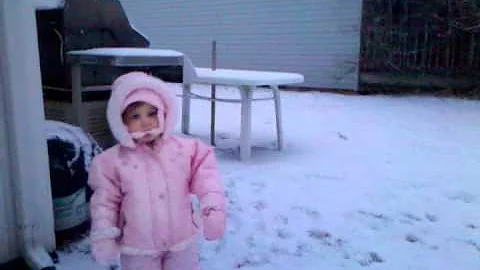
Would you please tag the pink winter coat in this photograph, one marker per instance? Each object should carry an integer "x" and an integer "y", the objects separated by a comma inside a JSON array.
[{"x": 141, "y": 203}]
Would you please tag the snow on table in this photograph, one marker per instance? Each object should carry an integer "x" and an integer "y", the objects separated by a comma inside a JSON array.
[
  {"x": 246, "y": 77},
  {"x": 133, "y": 52},
  {"x": 48, "y": 4}
]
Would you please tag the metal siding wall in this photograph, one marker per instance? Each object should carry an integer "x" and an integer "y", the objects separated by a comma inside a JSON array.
[{"x": 318, "y": 38}]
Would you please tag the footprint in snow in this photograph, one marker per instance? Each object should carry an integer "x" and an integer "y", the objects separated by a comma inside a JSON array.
[
  {"x": 260, "y": 205},
  {"x": 284, "y": 234},
  {"x": 258, "y": 187},
  {"x": 326, "y": 238},
  {"x": 370, "y": 258},
  {"x": 253, "y": 260},
  {"x": 342, "y": 136},
  {"x": 281, "y": 219},
  {"x": 474, "y": 244},
  {"x": 374, "y": 215},
  {"x": 412, "y": 217},
  {"x": 311, "y": 213},
  {"x": 261, "y": 226},
  {"x": 278, "y": 250},
  {"x": 319, "y": 235},
  {"x": 471, "y": 226},
  {"x": 234, "y": 222},
  {"x": 431, "y": 217},
  {"x": 413, "y": 238},
  {"x": 301, "y": 249},
  {"x": 463, "y": 197}
]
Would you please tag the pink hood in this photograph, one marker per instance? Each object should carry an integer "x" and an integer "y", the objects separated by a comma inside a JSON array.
[{"x": 123, "y": 87}]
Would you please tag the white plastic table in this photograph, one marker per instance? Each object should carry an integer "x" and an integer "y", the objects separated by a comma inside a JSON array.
[{"x": 246, "y": 81}]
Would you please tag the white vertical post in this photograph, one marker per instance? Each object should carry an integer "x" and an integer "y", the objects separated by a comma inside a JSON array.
[{"x": 21, "y": 88}]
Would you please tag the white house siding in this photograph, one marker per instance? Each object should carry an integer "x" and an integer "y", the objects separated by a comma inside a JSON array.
[
  {"x": 318, "y": 38},
  {"x": 8, "y": 245},
  {"x": 26, "y": 212}
]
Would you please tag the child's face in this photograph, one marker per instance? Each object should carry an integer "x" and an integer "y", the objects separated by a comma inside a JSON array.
[{"x": 142, "y": 117}]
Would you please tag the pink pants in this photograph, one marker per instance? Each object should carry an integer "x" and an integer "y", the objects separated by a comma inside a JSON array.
[{"x": 180, "y": 260}]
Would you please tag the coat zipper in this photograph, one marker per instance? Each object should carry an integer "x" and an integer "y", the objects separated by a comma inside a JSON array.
[{"x": 167, "y": 199}]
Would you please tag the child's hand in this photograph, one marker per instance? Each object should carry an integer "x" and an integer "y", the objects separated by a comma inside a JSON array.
[
  {"x": 213, "y": 224},
  {"x": 105, "y": 251}
]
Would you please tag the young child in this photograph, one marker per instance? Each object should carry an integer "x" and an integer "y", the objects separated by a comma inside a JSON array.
[{"x": 141, "y": 205}]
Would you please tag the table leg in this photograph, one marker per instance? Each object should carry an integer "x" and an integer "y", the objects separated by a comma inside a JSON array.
[
  {"x": 278, "y": 117},
  {"x": 246, "y": 123}
]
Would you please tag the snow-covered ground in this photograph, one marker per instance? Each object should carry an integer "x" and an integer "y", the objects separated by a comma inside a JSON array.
[{"x": 365, "y": 182}]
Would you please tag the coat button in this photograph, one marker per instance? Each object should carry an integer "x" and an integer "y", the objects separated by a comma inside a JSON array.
[{"x": 161, "y": 196}]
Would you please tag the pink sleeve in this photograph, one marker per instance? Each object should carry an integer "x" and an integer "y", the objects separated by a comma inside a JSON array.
[
  {"x": 206, "y": 184},
  {"x": 104, "y": 206}
]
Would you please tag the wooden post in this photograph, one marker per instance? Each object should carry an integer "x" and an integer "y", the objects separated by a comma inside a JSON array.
[{"x": 213, "y": 95}]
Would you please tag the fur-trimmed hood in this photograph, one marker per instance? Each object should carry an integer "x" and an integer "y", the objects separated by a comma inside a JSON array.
[{"x": 123, "y": 87}]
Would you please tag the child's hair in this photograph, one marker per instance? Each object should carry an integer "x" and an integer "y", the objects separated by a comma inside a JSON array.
[{"x": 130, "y": 108}]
